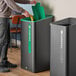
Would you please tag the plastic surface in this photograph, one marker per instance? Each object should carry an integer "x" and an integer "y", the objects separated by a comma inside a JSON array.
[
  {"x": 41, "y": 12},
  {"x": 35, "y": 48},
  {"x": 28, "y": 19},
  {"x": 38, "y": 11},
  {"x": 37, "y": 4},
  {"x": 36, "y": 17},
  {"x": 63, "y": 49}
]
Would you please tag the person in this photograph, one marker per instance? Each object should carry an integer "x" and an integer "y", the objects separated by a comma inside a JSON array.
[{"x": 6, "y": 6}]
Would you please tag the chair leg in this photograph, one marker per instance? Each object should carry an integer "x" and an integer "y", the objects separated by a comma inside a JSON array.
[
  {"x": 16, "y": 39},
  {"x": 20, "y": 39}
]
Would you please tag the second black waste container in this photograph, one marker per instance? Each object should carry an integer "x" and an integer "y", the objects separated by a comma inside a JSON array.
[
  {"x": 63, "y": 47},
  {"x": 35, "y": 44}
]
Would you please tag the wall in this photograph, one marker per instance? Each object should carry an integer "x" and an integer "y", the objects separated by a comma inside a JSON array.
[{"x": 62, "y": 8}]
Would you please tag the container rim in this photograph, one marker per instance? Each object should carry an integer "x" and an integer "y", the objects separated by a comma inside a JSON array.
[{"x": 47, "y": 16}]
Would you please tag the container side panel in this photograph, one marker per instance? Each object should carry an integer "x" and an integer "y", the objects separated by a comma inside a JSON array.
[
  {"x": 72, "y": 50},
  {"x": 58, "y": 50},
  {"x": 27, "y": 49},
  {"x": 43, "y": 45}
]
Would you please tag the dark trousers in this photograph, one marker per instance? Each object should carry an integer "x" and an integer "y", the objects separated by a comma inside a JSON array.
[{"x": 4, "y": 38}]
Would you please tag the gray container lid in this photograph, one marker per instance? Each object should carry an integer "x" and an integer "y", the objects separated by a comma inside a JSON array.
[{"x": 65, "y": 22}]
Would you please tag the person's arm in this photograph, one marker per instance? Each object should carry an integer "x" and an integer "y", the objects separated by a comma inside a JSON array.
[
  {"x": 25, "y": 1},
  {"x": 22, "y": 1},
  {"x": 11, "y": 4}
]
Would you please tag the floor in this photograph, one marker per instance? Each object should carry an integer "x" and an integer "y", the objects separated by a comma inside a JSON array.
[{"x": 14, "y": 57}]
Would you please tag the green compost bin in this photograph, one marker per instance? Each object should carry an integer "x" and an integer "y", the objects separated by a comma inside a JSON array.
[{"x": 35, "y": 44}]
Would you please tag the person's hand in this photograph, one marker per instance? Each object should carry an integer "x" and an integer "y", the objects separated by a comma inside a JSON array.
[
  {"x": 31, "y": 16},
  {"x": 26, "y": 14}
]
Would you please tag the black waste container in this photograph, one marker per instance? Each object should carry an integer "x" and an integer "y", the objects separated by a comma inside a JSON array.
[
  {"x": 63, "y": 47},
  {"x": 35, "y": 44}
]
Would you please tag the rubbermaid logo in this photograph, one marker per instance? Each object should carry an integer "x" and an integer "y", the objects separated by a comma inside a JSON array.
[
  {"x": 61, "y": 46},
  {"x": 29, "y": 33},
  {"x": 61, "y": 38}
]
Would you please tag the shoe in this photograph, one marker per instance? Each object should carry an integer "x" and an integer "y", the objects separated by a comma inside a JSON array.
[
  {"x": 10, "y": 65},
  {"x": 7, "y": 64},
  {"x": 4, "y": 69}
]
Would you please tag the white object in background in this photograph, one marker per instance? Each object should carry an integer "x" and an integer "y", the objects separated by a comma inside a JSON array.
[{"x": 27, "y": 7}]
